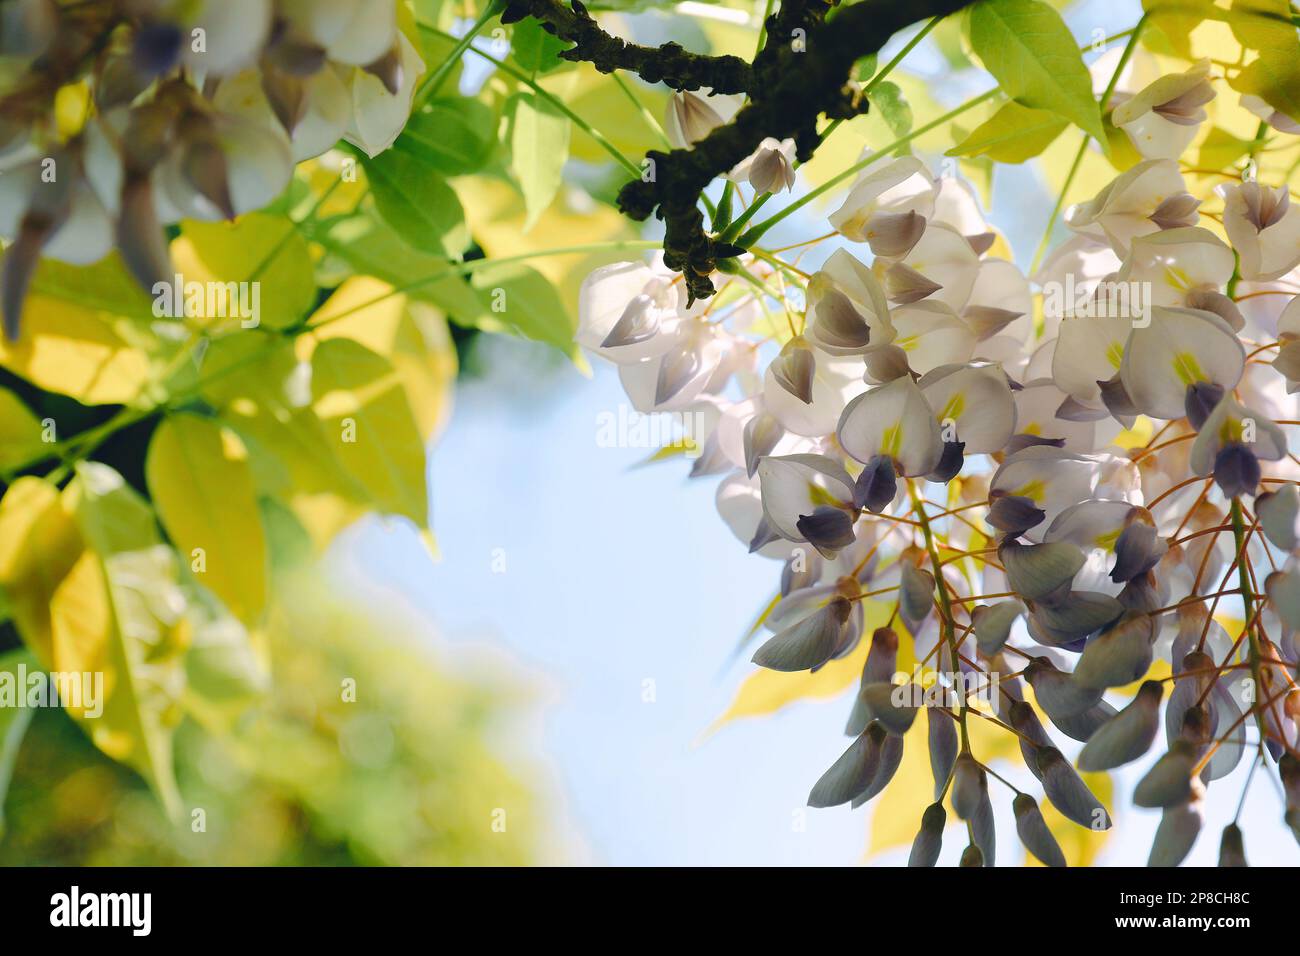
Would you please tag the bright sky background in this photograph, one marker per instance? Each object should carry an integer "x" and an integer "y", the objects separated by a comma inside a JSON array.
[{"x": 616, "y": 575}]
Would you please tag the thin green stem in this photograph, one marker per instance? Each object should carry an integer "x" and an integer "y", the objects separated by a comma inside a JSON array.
[
  {"x": 644, "y": 110},
  {"x": 756, "y": 232},
  {"x": 762, "y": 27},
  {"x": 1124, "y": 57},
  {"x": 79, "y": 446},
  {"x": 1060, "y": 203},
  {"x": 885, "y": 70},
  {"x": 551, "y": 98},
  {"x": 434, "y": 81}
]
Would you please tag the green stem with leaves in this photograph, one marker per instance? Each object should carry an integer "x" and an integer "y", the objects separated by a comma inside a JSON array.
[
  {"x": 1129, "y": 48},
  {"x": 434, "y": 81},
  {"x": 551, "y": 98}
]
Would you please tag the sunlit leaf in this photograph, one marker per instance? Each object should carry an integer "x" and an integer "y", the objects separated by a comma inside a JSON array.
[
  {"x": 409, "y": 334},
  {"x": 454, "y": 135},
  {"x": 416, "y": 201},
  {"x": 1014, "y": 134},
  {"x": 20, "y": 432},
  {"x": 1267, "y": 27},
  {"x": 1029, "y": 50},
  {"x": 201, "y": 484},
  {"x": 81, "y": 326},
  {"x": 117, "y": 612},
  {"x": 359, "y": 397},
  {"x": 539, "y": 145},
  {"x": 257, "y": 248}
]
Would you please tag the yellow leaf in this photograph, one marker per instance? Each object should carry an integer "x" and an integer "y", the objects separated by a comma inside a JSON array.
[
  {"x": 372, "y": 431},
  {"x": 94, "y": 593},
  {"x": 291, "y": 455},
  {"x": 20, "y": 433},
  {"x": 80, "y": 334},
  {"x": 202, "y": 486},
  {"x": 258, "y": 248},
  {"x": 88, "y": 640},
  {"x": 766, "y": 691},
  {"x": 411, "y": 335},
  {"x": 39, "y": 543}
]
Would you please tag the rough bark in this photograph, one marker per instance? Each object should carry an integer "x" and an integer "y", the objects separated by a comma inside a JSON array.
[{"x": 802, "y": 72}]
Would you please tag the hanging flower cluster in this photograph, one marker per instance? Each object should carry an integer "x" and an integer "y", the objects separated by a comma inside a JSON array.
[
  {"x": 127, "y": 116},
  {"x": 1054, "y": 486}
]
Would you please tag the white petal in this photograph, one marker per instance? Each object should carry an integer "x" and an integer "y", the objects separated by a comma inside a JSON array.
[
  {"x": 977, "y": 400},
  {"x": 796, "y": 485},
  {"x": 894, "y": 420},
  {"x": 1179, "y": 347}
]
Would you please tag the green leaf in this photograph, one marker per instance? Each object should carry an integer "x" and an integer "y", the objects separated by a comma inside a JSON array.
[
  {"x": 257, "y": 248},
  {"x": 1175, "y": 21},
  {"x": 888, "y": 98},
  {"x": 13, "y": 723},
  {"x": 371, "y": 248},
  {"x": 539, "y": 145},
  {"x": 1221, "y": 149},
  {"x": 291, "y": 455},
  {"x": 454, "y": 135},
  {"x": 535, "y": 50},
  {"x": 1274, "y": 76},
  {"x": 202, "y": 486},
  {"x": 1029, "y": 50},
  {"x": 525, "y": 302},
  {"x": 416, "y": 201},
  {"x": 20, "y": 432},
  {"x": 116, "y": 612},
  {"x": 1013, "y": 134}
]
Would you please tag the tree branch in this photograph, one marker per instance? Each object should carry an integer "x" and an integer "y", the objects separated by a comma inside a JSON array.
[
  {"x": 669, "y": 64},
  {"x": 802, "y": 72}
]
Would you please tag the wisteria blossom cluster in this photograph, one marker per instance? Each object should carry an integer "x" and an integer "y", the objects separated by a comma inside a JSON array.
[
  {"x": 124, "y": 117},
  {"x": 1077, "y": 480}
]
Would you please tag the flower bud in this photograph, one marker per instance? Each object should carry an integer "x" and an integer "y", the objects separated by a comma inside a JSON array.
[
  {"x": 969, "y": 784},
  {"x": 929, "y": 839},
  {"x": 1034, "y": 833},
  {"x": 852, "y": 772}
]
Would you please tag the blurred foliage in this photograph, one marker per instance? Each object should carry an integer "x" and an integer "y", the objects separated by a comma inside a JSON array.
[{"x": 408, "y": 774}]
